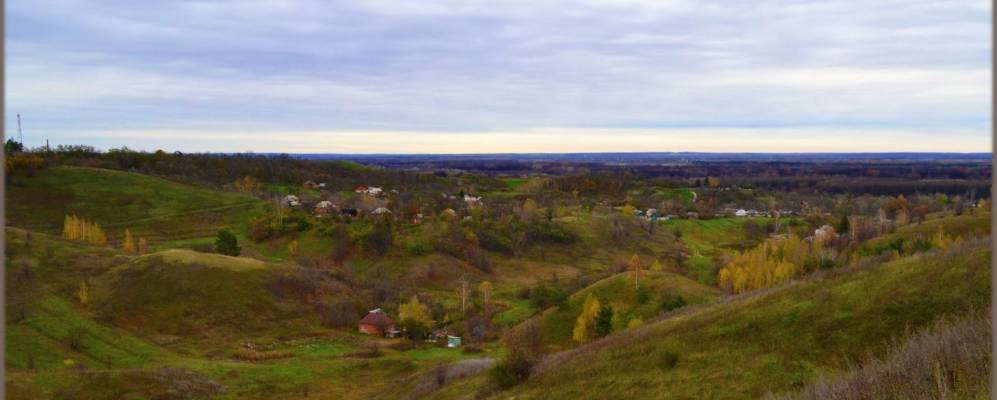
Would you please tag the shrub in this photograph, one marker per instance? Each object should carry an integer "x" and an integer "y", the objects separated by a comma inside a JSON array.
[
  {"x": 604, "y": 320},
  {"x": 673, "y": 302},
  {"x": 525, "y": 350},
  {"x": 418, "y": 249},
  {"x": 226, "y": 243}
]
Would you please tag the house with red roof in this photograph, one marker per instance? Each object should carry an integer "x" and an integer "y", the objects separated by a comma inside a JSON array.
[{"x": 376, "y": 322}]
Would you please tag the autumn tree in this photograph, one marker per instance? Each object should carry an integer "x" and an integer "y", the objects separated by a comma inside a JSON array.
[
  {"x": 75, "y": 228},
  {"x": 416, "y": 311},
  {"x": 585, "y": 324},
  {"x": 415, "y": 318},
  {"x": 128, "y": 244}
]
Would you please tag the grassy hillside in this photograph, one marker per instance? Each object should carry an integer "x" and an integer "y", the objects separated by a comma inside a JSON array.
[
  {"x": 196, "y": 295},
  {"x": 657, "y": 290},
  {"x": 169, "y": 325},
  {"x": 773, "y": 340},
  {"x": 707, "y": 237},
  {"x": 152, "y": 208}
]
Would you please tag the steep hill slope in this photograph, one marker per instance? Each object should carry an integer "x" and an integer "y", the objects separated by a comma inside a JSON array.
[
  {"x": 195, "y": 295},
  {"x": 773, "y": 340},
  {"x": 151, "y": 207},
  {"x": 658, "y": 292}
]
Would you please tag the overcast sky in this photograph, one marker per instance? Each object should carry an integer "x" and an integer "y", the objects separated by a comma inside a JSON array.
[{"x": 461, "y": 76}]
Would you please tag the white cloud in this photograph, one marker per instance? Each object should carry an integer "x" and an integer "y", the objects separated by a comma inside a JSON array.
[{"x": 512, "y": 66}]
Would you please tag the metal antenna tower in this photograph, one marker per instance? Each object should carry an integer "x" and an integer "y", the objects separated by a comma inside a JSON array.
[{"x": 20, "y": 137}]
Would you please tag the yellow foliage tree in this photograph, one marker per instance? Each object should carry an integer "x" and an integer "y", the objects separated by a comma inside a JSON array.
[
  {"x": 143, "y": 247},
  {"x": 416, "y": 311},
  {"x": 656, "y": 266},
  {"x": 292, "y": 248},
  {"x": 635, "y": 322},
  {"x": 774, "y": 261},
  {"x": 128, "y": 244},
  {"x": 628, "y": 210},
  {"x": 76, "y": 228},
  {"x": 585, "y": 324}
]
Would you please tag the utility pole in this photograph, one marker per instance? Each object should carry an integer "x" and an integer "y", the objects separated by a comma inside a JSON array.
[{"x": 20, "y": 137}]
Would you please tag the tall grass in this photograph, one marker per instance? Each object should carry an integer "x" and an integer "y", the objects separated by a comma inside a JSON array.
[{"x": 950, "y": 360}]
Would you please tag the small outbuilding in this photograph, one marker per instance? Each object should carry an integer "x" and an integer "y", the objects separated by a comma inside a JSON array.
[
  {"x": 453, "y": 341},
  {"x": 376, "y": 322}
]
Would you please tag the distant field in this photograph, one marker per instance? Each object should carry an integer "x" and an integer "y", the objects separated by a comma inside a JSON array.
[
  {"x": 151, "y": 207},
  {"x": 684, "y": 195},
  {"x": 514, "y": 183}
]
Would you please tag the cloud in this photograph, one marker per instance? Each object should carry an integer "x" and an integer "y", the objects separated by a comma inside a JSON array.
[{"x": 475, "y": 69}]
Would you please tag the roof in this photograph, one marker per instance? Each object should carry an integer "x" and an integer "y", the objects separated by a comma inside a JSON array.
[{"x": 377, "y": 318}]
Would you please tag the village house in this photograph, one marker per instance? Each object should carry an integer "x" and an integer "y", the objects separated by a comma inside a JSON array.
[
  {"x": 741, "y": 213},
  {"x": 472, "y": 200},
  {"x": 290, "y": 201},
  {"x": 349, "y": 212},
  {"x": 380, "y": 211},
  {"x": 376, "y": 323},
  {"x": 369, "y": 190},
  {"x": 310, "y": 185},
  {"x": 825, "y": 234},
  {"x": 324, "y": 207}
]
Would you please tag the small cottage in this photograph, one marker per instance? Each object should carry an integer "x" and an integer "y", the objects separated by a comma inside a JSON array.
[
  {"x": 453, "y": 341},
  {"x": 290, "y": 201},
  {"x": 310, "y": 185},
  {"x": 376, "y": 322},
  {"x": 380, "y": 211},
  {"x": 324, "y": 207},
  {"x": 741, "y": 213}
]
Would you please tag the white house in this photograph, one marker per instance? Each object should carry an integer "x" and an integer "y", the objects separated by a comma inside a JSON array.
[
  {"x": 741, "y": 213},
  {"x": 380, "y": 211},
  {"x": 290, "y": 200}
]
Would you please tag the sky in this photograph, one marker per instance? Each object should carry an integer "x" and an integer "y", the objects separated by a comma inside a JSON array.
[{"x": 457, "y": 76}]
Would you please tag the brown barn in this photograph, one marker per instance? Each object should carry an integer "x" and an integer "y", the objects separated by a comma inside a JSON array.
[{"x": 376, "y": 322}]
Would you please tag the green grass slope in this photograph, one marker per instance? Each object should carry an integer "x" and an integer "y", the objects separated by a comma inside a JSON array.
[
  {"x": 707, "y": 237},
  {"x": 151, "y": 207},
  {"x": 196, "y": 295},
  {"x": 627, "y": 301},
  {"x": 773, "y": 340}
]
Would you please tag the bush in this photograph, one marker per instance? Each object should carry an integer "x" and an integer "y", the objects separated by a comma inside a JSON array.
[
  {"x": 226, "y": 243},
  {"x": 418, "y": 249},
  {"x": 525, "y": 350},
  {"x": 671, "y": 303}
]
